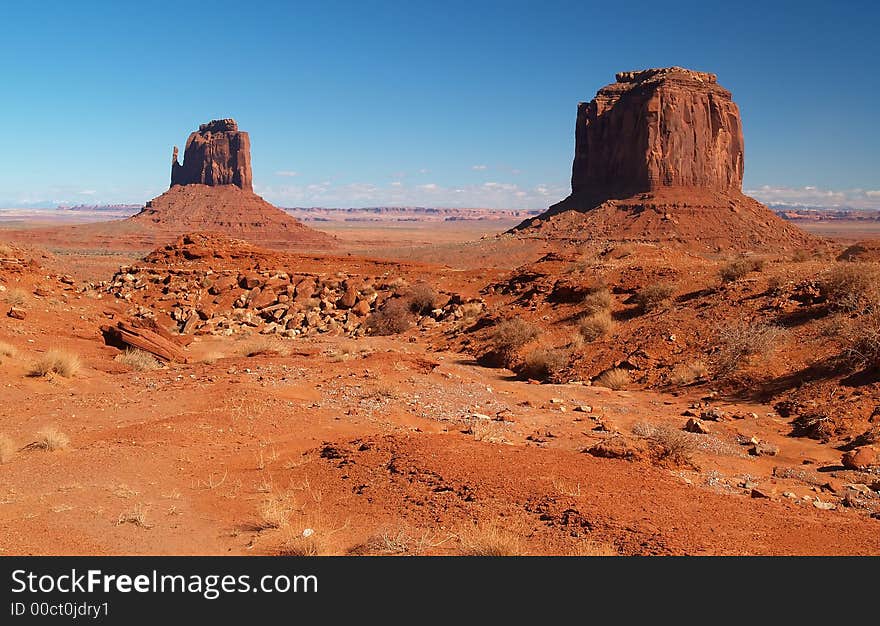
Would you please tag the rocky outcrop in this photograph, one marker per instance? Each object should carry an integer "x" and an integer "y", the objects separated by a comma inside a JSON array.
[
  {"x": 659, "y": 158},
  {"x": 654, "y": 128},
  {"x": 212, "y": 191},
  {"x": 216, "y": 154}
]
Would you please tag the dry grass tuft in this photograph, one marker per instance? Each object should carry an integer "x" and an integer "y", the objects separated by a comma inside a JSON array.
[
  {"x": 853, "y": 288},
  {"x": 50, "y": 439},
  {"x": 137, "y": 360},
  {"x": 7, "y": 350},
  {"x": 489, "y": 539},
  {"x": 56, "y": 362},
  {"x": 274, "y": 513},
  {"x": 688, "y": 373},
  {"x": 738, "y": 269},
  {"x": 544, "y": 364},
  {"x": 861, "y": 339},
  {"x": 595, "y": 325},
  {"x": 15, "y": 296},
  {"x": 598, "y": 299},
  {"x": 7, "y": 448},
  {"x": 400, "y": 542},
  {"x": 470, "y": 310},
  {"x": 615, "y": 378},
  {"x": 511, "y": 335},
  {"x": 654, "y": 297},
  {"x": 674, "y": 444},
  {"x": 137, "y": 516},
  {"x": 263, "y": 344}
]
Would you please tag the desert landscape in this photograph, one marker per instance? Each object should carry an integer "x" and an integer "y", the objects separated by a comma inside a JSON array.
[{"x": 658, "y": 364}]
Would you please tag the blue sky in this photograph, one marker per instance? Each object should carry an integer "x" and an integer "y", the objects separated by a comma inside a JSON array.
[{"x": 420, "y": 103}]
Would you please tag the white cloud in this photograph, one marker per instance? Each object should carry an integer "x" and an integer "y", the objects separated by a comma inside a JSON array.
[
  {"x": 492, "y": 194},
  {"x": 479, "y": 167},
  {"x": 287, "y": 173},
  {"x": 812, "y": 196},
  {"x": 88, "y": 192},
  {"x": 424, "y": 170}
]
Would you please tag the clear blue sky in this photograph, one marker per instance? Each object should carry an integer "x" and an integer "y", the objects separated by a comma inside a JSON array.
[{"x": 430, "y": 103}]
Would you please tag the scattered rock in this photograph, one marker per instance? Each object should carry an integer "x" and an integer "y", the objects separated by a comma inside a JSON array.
[
  {"x": 859, "y": 459},
  {"x": 762, "y": 448},
  {"x": 695, "y": 425},
  {"x": 17, "y": 313}
]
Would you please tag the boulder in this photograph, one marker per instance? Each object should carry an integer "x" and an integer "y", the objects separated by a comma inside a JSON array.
[{"x": 859, "y": 459}]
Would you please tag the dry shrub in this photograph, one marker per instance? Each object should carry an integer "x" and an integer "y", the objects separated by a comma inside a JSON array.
[
  {"x": 7, "y": 448},
  {"x": 15, "y": 296},
  {"x": 56, "y": 362},
  {"x": 853, "y": 288},
  {"x": 544, "y": 364},
  {"x": 654, "y": 296},
  {"x": 399, "y": 542},
  {"x": 7, "y": 350},
  {"x": 676, "y": 445},
  {"x": 511, "y": 335},
  {"x": 136, "y": 516},
  {"x": 300, "y": 545},
  {"x": 6, "y": 252},
  {"x": 394, "y": 317},
  {"x": 263, "y": 344},
  {"x": 801, "y": 255},
  {"x": 422, "y": 298},
  {"x": 50, "y": 439},
  {"x": 740, "y": 343},
  {"x": 489, "y": 539},
  {"x": 137, "y": 360},
  {"x": 274, "y": 513},
  {"x": 471, "y": 309},
  {"x": 688, "y": 373},
  {"x": 597, "y": 299},
  {"x": 596, "y": 325},
  {"x": 862, "y": 341},
  {"x": 738, "y": 269},
  {"x": 615, "y": 378}
]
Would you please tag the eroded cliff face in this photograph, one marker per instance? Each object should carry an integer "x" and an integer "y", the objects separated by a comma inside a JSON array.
[
  {"x": 659, "y": 158},
  {"x": 216, "y": 154},
  {"x": 668, "y": 127}
]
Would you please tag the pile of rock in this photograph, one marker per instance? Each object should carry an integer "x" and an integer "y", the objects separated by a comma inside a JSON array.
[{"x": 226, "y": 302}]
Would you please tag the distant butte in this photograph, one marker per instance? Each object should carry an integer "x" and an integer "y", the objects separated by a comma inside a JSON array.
[
  {"x": 216, "y": 154},
  {"x": 212, "y": 191},
  {"x": 659, "y": 157}
]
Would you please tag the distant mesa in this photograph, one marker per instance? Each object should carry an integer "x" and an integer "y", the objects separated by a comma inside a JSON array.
[
  {"x": 212, "y": 191},
  {"x": 216, "y": 154},
  {"x": 659, "y": 155}
]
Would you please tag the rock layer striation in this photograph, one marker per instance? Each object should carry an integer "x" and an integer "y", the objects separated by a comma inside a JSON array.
[{"x": 216, "y": 154}]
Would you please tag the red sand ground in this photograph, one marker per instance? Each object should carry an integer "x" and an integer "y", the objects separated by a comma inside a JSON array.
[{"x": 404, "y": 444}]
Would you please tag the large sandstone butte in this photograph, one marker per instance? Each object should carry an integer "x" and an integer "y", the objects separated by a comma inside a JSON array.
[
  {"x": 212, "y": 191},
  {"x": 659, "y": 157},
  {"x": 216, "y": 154}
]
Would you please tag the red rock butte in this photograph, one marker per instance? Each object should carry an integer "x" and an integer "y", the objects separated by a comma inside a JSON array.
[
  {"x": 659, "y": 157},
  {"x": 212, "y": 191}
]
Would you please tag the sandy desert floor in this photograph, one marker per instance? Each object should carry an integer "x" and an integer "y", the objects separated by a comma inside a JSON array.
[{"x": 401, "y": 444}]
